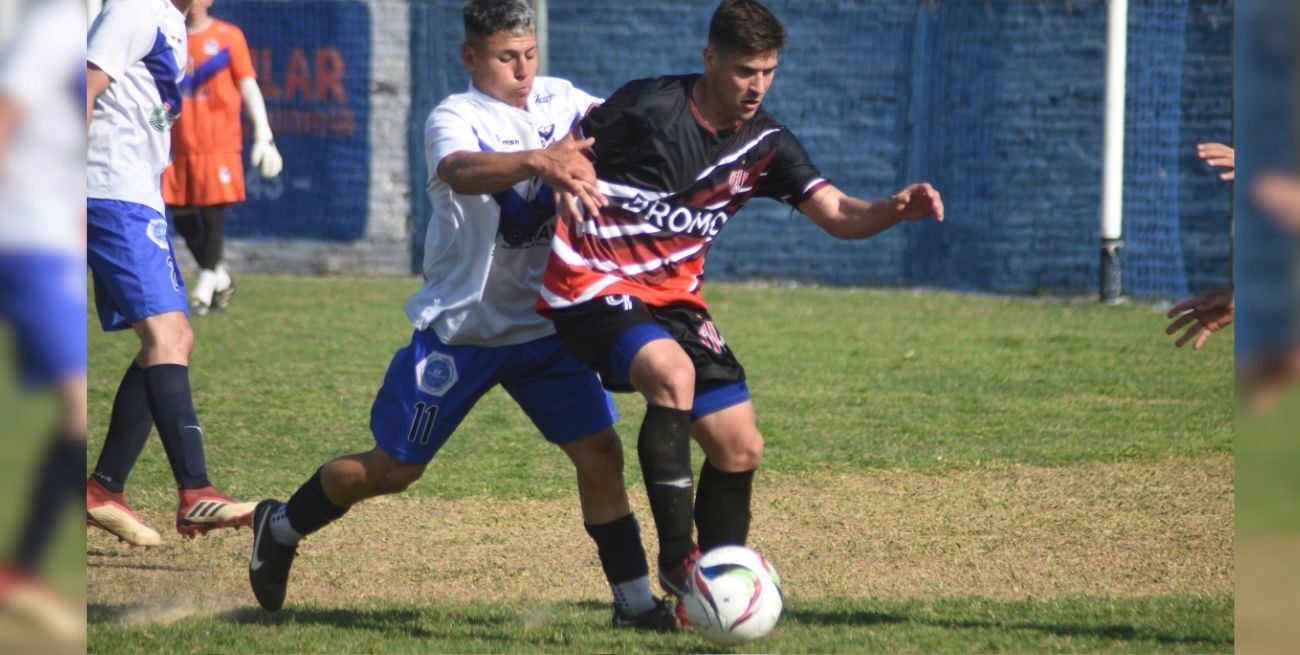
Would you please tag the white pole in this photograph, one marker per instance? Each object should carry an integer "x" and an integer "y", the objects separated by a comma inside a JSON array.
[
  {"x": 1112, "y": 183},
  {"x": 543, "y": 37}
]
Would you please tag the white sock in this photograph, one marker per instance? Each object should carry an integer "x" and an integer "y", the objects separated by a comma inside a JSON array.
[
  {"x": 634, "y": 596},
  {"x": 223, "y": 278},
  {"x": 205, "y": 286},
  {"x": 281, "y": 531}
]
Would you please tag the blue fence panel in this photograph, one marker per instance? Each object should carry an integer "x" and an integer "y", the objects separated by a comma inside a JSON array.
[{"x": 313, "y": 65}]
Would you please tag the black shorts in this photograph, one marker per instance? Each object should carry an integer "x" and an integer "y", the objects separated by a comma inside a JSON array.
[{"x": 605, "y": 333}]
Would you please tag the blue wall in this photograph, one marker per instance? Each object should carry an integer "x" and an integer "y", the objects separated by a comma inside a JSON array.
[
  {"x": 999, "y": 103},
  {"x": 313, "y": 65}
]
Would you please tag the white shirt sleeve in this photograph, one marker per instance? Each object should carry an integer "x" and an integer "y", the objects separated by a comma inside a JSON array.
[
  {"x": 123, "y": 33},
  {"x": 447, "y": 132},
  {"x": 41, "y": 60},
  {"x": 582, "y": 102}
]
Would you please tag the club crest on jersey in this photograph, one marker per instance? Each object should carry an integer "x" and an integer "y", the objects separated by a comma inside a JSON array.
[
  {"x": 162, "y": 117},
  {"x": 157, "y": 233},
  {"x": 436, "y": 374},
  {"x": 546, "y": 132},
  {"x": 736, "y": 181},
  {"x": 211, "y": 47}
]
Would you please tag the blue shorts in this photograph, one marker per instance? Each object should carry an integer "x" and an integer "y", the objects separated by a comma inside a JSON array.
[
  {"x": 431, "y": 386},
  {"x": 131, "y": 257},
  {"x": 43, "y": 300}
]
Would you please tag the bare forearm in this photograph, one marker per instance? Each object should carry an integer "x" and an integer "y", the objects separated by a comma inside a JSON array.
[
  {"x": 855, "y": 218},
  {"x": 470, "y": 173}
]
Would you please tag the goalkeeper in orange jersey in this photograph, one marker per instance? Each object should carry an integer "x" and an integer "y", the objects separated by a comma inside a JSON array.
[{"x": 206, "y": 174}]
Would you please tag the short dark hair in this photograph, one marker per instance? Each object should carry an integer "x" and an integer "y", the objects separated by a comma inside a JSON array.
[
  {"x": 483, "y": 18},
  {"x": 746, "y": 27}
]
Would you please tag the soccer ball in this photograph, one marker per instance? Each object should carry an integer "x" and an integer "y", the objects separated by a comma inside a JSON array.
[{"x": 733, "y": 596}]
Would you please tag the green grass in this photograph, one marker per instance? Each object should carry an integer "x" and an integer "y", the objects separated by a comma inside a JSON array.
[
  {"x": 851, "y": 625},
  {"x": 844, "y": 380}
]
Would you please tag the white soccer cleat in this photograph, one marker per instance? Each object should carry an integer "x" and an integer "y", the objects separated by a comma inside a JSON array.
[
  {"x": 108, "y": 511},
  {"x": 207, "y": 509},
  {"x": 27, "y": 598}
]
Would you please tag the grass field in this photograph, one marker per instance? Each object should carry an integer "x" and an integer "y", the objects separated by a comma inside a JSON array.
[{"x": 943, "y": 473}]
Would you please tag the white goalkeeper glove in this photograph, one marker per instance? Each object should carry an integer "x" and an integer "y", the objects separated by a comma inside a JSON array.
[
  {"x": 266, "y": 158},
  {"x": 264, "y": 155}
]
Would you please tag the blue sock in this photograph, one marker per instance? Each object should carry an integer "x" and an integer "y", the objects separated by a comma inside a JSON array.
[
  {"x": 128, "y": 431},
  {"x": 309, "y": 509},
  {"x": 172, "y": 407},
  {"x": 57, "y": 483}
]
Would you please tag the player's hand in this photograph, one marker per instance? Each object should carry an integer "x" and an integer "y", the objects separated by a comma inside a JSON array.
[
  {"x": 1218, "y": 155},
  {"x": 917, "y": 201},
  {"x": 1278, "y": 195},
  {"x": 266, "y": 158},
  {"x": 565, "y": 168},
  {"x": 1204, "y": 315},
  {"x": 567, "y": 207}
]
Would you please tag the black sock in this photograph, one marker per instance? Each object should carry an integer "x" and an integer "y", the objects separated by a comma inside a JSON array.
[
  {"x": 172, "y": 406},
  {"x": 128, "y": 431},
  {"x": 309, "y": 509},
  {"x": 618, "y": 543},
  {"x": 664, "y": 449},
  {"x": 722, "y": 507},
  {"x": 208, "y": 254},
  {"x": 57, "y": 482}
]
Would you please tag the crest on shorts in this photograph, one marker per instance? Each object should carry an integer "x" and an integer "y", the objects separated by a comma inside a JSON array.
[
  {"x": 157, "y": 233},
  {"x": 436, "y": 373},
  {"x": 710, "y": 337}
]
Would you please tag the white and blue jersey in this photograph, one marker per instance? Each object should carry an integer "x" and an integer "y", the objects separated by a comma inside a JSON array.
[
  {"x": 42, "y": 256},
  {"x": 476, "y": 325},
  {"x": 484, "y": 254},
  {"x": 140, "y": 45}
]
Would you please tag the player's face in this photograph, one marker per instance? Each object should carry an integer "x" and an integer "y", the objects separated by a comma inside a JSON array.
[
  {"x": 739, "y": 82},
  {"x": 503, "y": 66}
]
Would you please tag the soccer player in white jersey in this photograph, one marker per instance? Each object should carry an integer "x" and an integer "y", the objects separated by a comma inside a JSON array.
[
  {"x": 495, "y": 153},
  {"x": 135, "y": 60},
  {"x": 42, "y": 278}
]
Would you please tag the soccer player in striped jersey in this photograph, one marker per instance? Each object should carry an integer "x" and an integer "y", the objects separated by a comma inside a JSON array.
[
  {"x": 677, "y": 157},
  {"x": 496, "y": 154}
]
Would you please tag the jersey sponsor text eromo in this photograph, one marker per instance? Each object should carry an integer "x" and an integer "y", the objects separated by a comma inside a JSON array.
[
  {"x": 484, "y": 254},
  {"x": 673, "y": 182},
  {"x": 140, "y": 44}
]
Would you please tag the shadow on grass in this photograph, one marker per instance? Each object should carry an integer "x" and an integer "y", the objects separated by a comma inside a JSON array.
[
  {"x": 1117, "y": 632},
  {"x": 136, "y": 566}
]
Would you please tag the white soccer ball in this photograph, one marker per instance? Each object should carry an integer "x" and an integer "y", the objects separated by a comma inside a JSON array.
[{"x": 733, "y": 596}]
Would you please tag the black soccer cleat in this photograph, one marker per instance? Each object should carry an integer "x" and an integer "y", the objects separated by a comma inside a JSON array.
[
  {"x": 660, "y": 618},
  {"x": 268, "y": 568},
  {"x": 221, "y": 299}
]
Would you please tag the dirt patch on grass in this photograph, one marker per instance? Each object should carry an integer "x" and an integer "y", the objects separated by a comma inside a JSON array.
[{"x": 1121, "y": 529}]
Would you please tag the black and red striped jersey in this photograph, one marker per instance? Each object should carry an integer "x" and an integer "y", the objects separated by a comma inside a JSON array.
[{"x": 673, "y": 182}]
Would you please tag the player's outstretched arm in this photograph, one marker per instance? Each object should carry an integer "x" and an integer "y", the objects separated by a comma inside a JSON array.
[
  {"x": 263, "y": 155},
  {"x": 561, "y": 166},
  {"x": 846, "y": 217}
]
